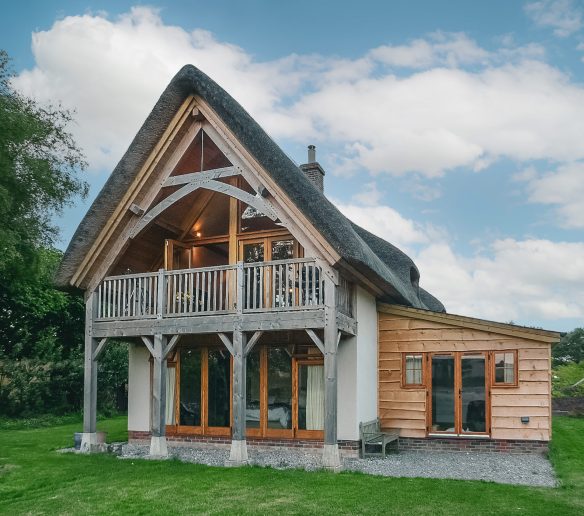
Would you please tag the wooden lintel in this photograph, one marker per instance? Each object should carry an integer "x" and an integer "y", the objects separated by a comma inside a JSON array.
[
  {"x": 149, "y": 344},
  {"x": 227, "y": 342},
  {"x": 316, "y": 339},
  {"x": 252, "y": 342},
  {"x": 171, "y": 345},
  {"x": 99, "y": 349}
]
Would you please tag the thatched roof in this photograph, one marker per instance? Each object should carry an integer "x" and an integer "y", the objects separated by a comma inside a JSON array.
[{"x": 384, "y": 264}]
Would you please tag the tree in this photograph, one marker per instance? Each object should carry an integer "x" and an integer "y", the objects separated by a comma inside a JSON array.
[
  {"x": 41, "y": 328},
  {"x": 570, "y": 348},
  {"x": 39, "y": 168}
]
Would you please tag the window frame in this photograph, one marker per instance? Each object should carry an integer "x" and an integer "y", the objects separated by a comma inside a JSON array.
[
  {"x": 515, "y": 382},
  {"x": 404, "y": 383}
]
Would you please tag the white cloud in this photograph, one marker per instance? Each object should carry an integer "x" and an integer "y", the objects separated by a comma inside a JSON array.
[
  {"x": 113, "y": 71},
  {"x": 369, "y": 195},
  {"x": 390, "y": 225},
  {"x": 516, "y": 280},
  {"x": 443, "y": 49},
  {"x": 562, "y": 188},
  {"x": 564, "y": 16},
  {"x": 504, "y": 279},
  {"x": 430, "y": 120}
]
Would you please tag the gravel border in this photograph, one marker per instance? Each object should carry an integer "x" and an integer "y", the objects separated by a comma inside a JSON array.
[{"x": 503, "y": 468}]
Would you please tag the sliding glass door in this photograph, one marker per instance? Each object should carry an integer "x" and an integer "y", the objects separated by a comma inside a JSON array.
[{"x": 458, "y": 393}]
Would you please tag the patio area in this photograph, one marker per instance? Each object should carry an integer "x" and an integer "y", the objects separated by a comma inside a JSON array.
[{"x": 504, "y": 468}]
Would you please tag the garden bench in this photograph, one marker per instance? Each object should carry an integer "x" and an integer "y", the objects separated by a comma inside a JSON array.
[{"x": 370, "y": 433}]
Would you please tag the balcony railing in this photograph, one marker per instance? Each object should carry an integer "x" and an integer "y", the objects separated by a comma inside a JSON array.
[{"x": 282, "y": 285}]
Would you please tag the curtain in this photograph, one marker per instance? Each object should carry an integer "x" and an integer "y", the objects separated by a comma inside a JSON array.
[
  {"x": 315, "y": 398},
  {"x": 170, "y": 392}
]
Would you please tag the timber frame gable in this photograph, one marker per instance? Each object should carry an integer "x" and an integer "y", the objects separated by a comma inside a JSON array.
[{"x": 138, "y": 209}]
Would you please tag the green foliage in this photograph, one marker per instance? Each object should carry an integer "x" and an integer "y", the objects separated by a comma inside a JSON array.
[
  {"x": 570, "y": 348},
  {"x": 39, "y": 165},
  {"x": 564, "y": 377},
  {"x": 41, "y": 328}
]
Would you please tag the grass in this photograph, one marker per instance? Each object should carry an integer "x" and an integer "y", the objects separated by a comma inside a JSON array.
[{"x": 34, "y": 479}]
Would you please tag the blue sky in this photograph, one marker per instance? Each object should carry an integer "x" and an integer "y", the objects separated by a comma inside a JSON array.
[{"x": 452, "y": 129}]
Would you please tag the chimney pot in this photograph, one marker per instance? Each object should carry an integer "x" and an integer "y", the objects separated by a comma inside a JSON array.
[{"x": 311, "y": 154}]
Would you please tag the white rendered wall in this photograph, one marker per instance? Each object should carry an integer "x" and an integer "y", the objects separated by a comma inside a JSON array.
[
  {"x": 138, "y": 388},
  {"x": 357, "y": 370}
]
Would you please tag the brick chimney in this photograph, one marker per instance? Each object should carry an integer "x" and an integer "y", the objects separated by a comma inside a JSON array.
[{"x": 312, "y": 170}]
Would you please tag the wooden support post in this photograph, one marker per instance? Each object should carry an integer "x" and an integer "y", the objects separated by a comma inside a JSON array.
[
  {"x": 160, "y": 295},
  {"x": 89, "y": 439},
  {"x": 331, "y": 458},
  {"x": 240, "y": 287},
  {"x": 158, "y": 421},
  {"x": 238, "y": 453}
]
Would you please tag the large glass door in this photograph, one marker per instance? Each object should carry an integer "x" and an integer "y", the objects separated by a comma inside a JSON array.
[
  {"x": 459, "y": 394},
  {"x": 443, "y": 394},
  {"x": 203, "y": 404},
  {"x": 473, "y": 393}
]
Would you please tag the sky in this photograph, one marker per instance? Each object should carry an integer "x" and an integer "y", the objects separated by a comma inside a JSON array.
[{"x": 453, "y": 129}]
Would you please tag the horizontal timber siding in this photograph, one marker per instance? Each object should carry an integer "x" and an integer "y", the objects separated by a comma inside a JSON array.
[{"x": 405, "y": 409}]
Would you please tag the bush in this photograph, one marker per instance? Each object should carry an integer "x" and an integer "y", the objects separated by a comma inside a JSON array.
[{"x": 564, "y": 376}]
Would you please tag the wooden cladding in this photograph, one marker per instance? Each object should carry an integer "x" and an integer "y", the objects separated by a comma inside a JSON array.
[{"x": 407, "y": 408}]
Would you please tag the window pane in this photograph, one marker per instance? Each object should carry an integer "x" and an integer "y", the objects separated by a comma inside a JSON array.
[
  {"x": 311, "y": 397},
  {"x": 279, "y": 388},
  {"x": 219, "y": 377},
  {"x": 190, "y": 387},
  {"x": 282, "y": 249},
  {"x": 505, "y": 368},
  {"x": 413, "y": 369},
  {"x": 252, "y": 390},
  {"x": 443, "y": 393}
]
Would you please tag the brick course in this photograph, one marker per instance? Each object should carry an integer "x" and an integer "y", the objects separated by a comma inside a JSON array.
[{"x": 352, "y": 448}]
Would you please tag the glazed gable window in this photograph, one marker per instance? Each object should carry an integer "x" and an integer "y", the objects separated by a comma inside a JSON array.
[
  {"x": 505, "y": 368},
  {"x": 413, "y": 369}
]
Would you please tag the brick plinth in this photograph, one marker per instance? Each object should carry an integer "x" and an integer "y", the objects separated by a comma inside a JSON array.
[
  {"x": 472, "y": 445},
  {"x": 348, "y": 448}
]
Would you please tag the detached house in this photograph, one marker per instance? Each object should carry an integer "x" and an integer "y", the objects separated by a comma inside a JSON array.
[{"x": 259, "y": 315}]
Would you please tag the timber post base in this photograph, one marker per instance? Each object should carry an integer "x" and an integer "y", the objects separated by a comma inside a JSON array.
[
  {"x": 331, "y": 459},
  {"x": 238, "y": 454},
  {"x": 158, "y": 447},
  {"x": 92, "y": 442}
]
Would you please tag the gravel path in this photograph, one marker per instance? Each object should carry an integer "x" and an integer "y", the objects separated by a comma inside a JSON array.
[{"x": 525, "y": 469}]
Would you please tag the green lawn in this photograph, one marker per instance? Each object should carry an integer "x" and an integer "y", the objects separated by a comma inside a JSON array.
[{"x": 34, "y": 479}]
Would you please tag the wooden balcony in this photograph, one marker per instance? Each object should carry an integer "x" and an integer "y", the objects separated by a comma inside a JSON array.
[{"x": 283, "y": 294}]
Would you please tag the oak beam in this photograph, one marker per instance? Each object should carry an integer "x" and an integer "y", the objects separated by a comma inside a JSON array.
[
  {"x": 252, "y": 342},
  {"x": 99, "y": 349},
  {"x": 238, "y": 453},
  {"x": 331, "y": 457},
  {"x": 89, "y": 439},
  {"x": 171, "y": 345},
  {"x": 316, "y": 339},
  {"x": 216, "y": 173},
  {"x": 228, "y": 344},
  {"x": 158, "y": 446}
]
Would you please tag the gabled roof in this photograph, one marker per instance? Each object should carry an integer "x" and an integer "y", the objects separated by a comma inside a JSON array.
[{"x": 382, "y": 263}]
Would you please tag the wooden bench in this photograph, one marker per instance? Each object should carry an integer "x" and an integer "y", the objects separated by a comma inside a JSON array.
[{"x": 370, "y": 433}]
